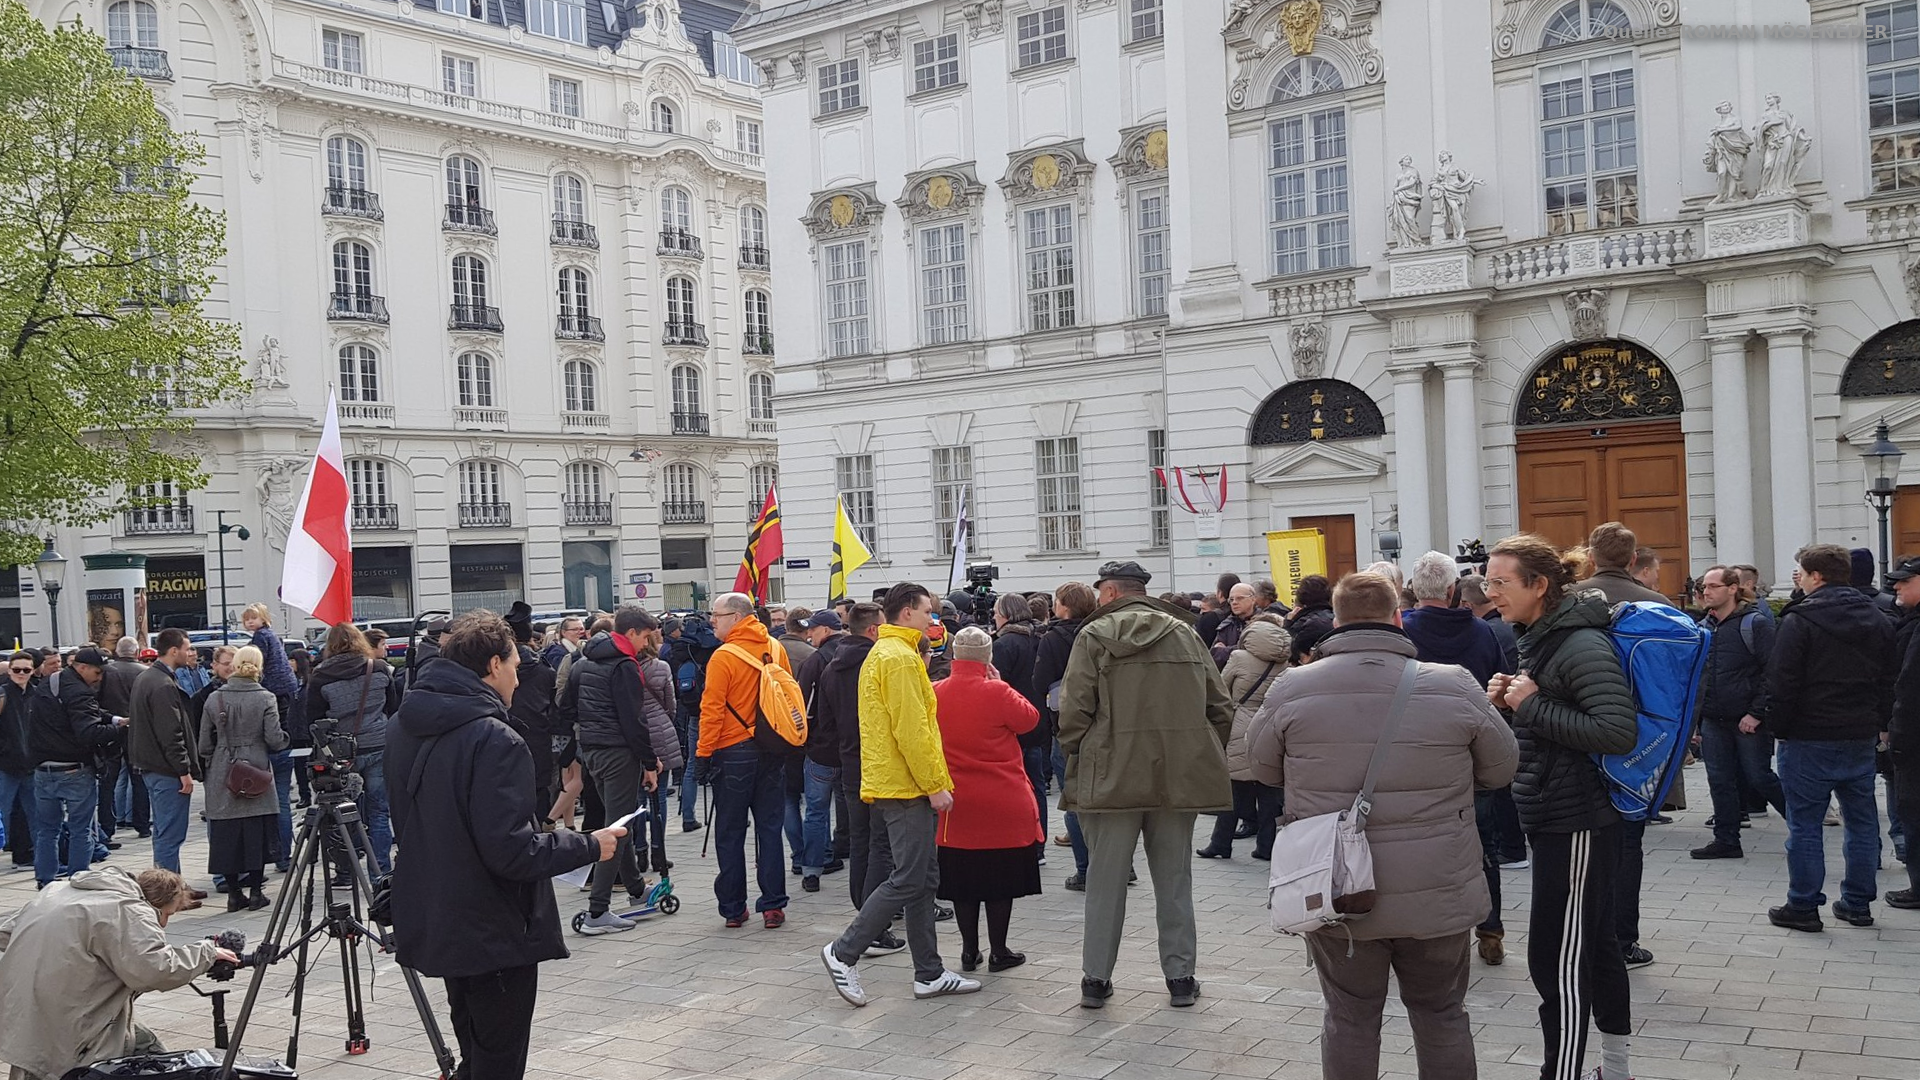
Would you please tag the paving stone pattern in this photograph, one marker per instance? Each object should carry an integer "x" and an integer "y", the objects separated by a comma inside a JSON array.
[{"x": 1729, "y": 998}]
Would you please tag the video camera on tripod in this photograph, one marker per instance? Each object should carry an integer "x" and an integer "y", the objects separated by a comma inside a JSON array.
[
  {"x": 980, "y": 579},
  {"x": 332, "y": 760}
]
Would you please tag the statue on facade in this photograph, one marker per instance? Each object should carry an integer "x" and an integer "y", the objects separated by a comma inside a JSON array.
[
  {"x": 1309, "y": 344},
  {"x": 1783, "y": 146},
  {"x": 270, "y": 368},
  {"x": 1728, "y": 145},
  {"x": 1403, "y": 211},
  {"x": 1450, "y": 189}
]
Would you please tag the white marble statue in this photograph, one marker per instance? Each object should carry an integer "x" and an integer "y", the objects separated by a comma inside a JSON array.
[
  {"x": 1783, "y": 146},
  {"x": 1403, "y": 211},
  {"x": 1728, "y": 145},
  {"x": 1450, "y": 189}
]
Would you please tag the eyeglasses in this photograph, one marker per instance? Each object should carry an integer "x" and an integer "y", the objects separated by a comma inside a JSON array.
[{"x": 1499, "y": 584}]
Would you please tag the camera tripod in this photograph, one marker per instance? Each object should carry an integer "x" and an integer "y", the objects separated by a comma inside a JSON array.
[{"x": 331, "y": 829}]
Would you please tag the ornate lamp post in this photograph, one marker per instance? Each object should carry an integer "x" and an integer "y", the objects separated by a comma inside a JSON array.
[
  {"x": 52, "y": 567},
  {"x": 1883, "y": 477}
]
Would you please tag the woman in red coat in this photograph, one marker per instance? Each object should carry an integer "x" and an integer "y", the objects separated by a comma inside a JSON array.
[{"x": 990, "y": 840}]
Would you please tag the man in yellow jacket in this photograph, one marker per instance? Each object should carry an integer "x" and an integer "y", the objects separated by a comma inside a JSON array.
[
  {"x": 744, "y": 779},
  {"x": 903, "y": 773}
]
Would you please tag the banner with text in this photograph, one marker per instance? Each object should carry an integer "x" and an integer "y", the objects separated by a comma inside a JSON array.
[{"x": 1293, "y": 554}]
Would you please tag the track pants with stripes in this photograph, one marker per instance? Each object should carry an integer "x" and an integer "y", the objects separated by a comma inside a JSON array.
[{"x": 1573, "y": 955}]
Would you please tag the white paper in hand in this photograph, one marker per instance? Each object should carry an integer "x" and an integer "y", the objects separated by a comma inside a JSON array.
[
  {"x": 627, "y": 822},
  {"x": 575, "y": 878}
]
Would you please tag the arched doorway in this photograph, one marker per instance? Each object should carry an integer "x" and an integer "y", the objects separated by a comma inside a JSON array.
[
  {"x": 1599, "y": 440},
  {"x": 1888, "y": 365}
]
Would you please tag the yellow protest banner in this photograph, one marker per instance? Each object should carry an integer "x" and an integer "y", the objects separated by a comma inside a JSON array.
[{"x": 1293, "y": 554}]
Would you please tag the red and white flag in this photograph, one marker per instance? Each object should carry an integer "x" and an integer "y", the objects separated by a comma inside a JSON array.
[{"x": 318, "y": 576}]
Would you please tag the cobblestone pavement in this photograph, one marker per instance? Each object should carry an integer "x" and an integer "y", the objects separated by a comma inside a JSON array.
[{"x": 681, "y": 996}]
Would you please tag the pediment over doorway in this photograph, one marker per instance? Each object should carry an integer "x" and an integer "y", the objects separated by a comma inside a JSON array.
[{"x": 1315, "y": 463}]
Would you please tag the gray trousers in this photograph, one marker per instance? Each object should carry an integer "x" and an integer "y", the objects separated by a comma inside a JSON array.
[
  {"x": 909, "y": 825},
  {"x": 1433, "y": 986},
  {"x": 1112, "y": 837},
  {"x": 617, "y": 776},
  {"x": 868, "y": 861}
]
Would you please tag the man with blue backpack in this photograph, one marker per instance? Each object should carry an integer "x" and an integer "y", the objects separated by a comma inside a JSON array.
[{"x": 1830, "y": 693}]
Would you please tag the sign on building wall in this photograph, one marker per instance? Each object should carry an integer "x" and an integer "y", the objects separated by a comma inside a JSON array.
[{"x": 1293, "y": 554}]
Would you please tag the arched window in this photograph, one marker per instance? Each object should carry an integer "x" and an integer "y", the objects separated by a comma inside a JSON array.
[
  {"x": 676, "y": 210},
  {"x": 573, "y": 293},
  {"x": 469, "y": 281},
  {"x": 359, "y": 373},
  {"x": 758, "y": 326},
  {"x": 1315, "y": 410},
  {"x": 569, "y": 198},
  {"x": 352, "y": 269},
  {"x": 133, "y": 24},
  {"x": 683, "y": 486},
  {"x": 680, "y": 301},
  {"x": 582, "y": 387},
  {"x": 686, "y": 390},
  {"x": 1584, "y": 20},
  {"x": 760, "y": 480},
  {"x": 475, "y": 376},
  {"x": 1306, "y": 77},
  {"x": 463, "y": 182},
  {"x": 663, "y": 117},
  {"x": 760, "y": 396},
  {"x": 1309, "y": 220},
  {"x": 346, "y": 163},
  {"x": 753, "y": 228}
]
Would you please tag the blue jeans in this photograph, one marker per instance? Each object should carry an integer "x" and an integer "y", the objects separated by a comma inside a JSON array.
[
  {"x": 816, "y": 826},
  {"x": 170, "y": 811},
  {"x": 130, "y": 799},
  {"x": 1036, "y": 759},
  {"x": 370, "y": 764},
  {"x": 1072, "y": 819},
  {"x": 283, "y": 785},
  {"x": 63, "y": 799},
  {"x": 748, "y": 782},
  {"x": 1811, "y": 772},
  {"x": 687, "y": 786},
  {"x": 1736, "y": 762}
]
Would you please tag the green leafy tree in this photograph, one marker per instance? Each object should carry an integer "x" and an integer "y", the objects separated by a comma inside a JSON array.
[{"x": 103, "y": 258}]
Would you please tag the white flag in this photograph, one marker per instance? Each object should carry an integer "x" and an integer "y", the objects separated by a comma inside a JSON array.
[{"x": 962, "y": 534}]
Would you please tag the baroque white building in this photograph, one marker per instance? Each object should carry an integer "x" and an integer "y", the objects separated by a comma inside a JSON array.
[
  {"x": 1445, "y": 269},
  {"x": 526, "y": 245}
]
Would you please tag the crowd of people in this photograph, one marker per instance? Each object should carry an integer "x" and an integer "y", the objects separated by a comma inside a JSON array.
[{"x": 941, "y": 736}]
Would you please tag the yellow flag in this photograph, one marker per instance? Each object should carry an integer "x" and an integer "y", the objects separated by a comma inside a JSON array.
[{"x": 849, "y": 554}]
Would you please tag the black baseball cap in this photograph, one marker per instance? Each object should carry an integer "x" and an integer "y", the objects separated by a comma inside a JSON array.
[
  {"x": 1905, "y": 568},
  {"x": 828, "y": 619},
  {"x": 90, "y": 656}
]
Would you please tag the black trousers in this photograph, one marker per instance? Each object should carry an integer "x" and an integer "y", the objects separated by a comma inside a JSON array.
[
  {"x": 493, "y": 1021},
  {"x": 1626, "y": 883},
  {"x": 1573, "y": 955},
  {"x": 1906, "y": 786}
]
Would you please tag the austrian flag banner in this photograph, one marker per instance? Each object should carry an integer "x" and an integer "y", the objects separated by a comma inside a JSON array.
[{"x": 318, "y": 578}]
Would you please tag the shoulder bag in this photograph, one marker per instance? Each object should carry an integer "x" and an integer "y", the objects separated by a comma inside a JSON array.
[{"x": 245, "y": 780}]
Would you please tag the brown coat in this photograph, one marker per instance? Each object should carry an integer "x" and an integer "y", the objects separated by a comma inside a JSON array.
[{"x": 1315, "y": 735}]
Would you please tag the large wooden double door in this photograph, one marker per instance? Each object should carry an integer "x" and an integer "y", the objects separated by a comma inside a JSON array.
[{"x": 1571, "y": 480}]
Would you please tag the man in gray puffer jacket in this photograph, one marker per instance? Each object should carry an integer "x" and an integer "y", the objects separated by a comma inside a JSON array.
[{"x": 1316, "y": 733}]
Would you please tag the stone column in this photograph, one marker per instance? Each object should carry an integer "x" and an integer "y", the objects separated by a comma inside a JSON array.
[
  {"x": 1791, "y": 433},
  {"x": 1410, "y": 460},
  {"x": 1461, "y": 406},
  {"x": 1732, "y": 452}
]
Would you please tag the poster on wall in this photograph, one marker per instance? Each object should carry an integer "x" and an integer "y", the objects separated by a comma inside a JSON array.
[{"x": 107, "y": 616}]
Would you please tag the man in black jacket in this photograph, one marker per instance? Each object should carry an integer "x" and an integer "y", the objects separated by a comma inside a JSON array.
[
  {"x": 602, "y": 700},
  {"x": 1829, "y": 692},
  {"x": 1903, "y": 729},
  {"x": 116, "y": 699},
  {"x": 16, "y": 761},
  {"x": 66, "y": 733},
  {"x": 1733, "y": 706},
  {"x": 473, "y": 896},
  {"x": 821, "y": 771}
]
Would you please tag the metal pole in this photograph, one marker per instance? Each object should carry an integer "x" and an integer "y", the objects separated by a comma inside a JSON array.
[
  {"x": 1882, "y": 504},
  {"x": 53, "y": 612},
  {"x": 220, "y": 519}
]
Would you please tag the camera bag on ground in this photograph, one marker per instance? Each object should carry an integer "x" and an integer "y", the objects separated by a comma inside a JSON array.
[
  {"x": 1322, "y": 866},
  {"x": 780, "y": 719},
  {"x": 181, "y": 1065}
]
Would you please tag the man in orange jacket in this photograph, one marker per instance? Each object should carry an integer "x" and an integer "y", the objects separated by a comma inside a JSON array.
[{"x": 744, "y": 779}]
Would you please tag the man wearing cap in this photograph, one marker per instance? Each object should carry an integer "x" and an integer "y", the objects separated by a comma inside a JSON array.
[
  {"x": 66, "y": 732},
  {"x": 1144, "y": 720}
]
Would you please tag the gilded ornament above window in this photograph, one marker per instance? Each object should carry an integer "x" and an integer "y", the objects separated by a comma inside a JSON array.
[
  {"x": 1606, "y": 380},
  {"x": 1315, "y": 410}
]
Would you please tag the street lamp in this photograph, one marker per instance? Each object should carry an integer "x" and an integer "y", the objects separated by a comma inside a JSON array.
[
  {"x": 53, "y": 568},
  {"x": 240, "y": 531},
  {"x": 1390, "y": 545},
  {"x": 1883, "y": 461}
]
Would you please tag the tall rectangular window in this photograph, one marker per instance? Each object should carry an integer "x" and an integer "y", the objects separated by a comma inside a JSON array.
[
  {"x": 839, "y": 86},
  {"x": 342, "y": 50},
  {"x": 480, "y": 483},
  {"x": 853, "y": 473},
  {"x": 1589, "y": 145},
  {"x": 952, "y": 484},
  {"x": 563, "y": 19},
  {"x": 936, "y": 63},
  {"x": 1056, "y": 467},
  {"x": 1893, "y": 95},
  {"x": 563, "y": 96},
  {"x": 1146, "y": 21},
  {"x": 1307, "y": 189},
  {"x": 847, "y": 327},
  {"x": 746, "y": 136},
  {"x": 1150, "y": 251},
  {"x": 367, "y": 481},
  {"x": 459, "y": 76},
  {"x": 1047, "y": 236},
  {"x": 1158, "y": 535},
  {"x": 943, "y": 283},
  {"x": 1041, "y": 36}
]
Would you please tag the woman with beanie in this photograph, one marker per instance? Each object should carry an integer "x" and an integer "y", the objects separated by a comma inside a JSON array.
[
  {"x": 989, "y": 842},
  {"x": 240, "y": 727}
]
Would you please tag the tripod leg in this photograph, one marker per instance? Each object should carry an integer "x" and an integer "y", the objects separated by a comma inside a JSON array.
[
  {"x": 383, "y": 935},
  {"x": 269, "y": 948},
  {"x": 345, "y": 834}
]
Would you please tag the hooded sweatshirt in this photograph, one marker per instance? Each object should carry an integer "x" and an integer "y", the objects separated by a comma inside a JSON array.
[
  {"x": 1456, "y": 636},
  {"x": 836, "y": 706},
  {"x": 1832, "y": 670}
]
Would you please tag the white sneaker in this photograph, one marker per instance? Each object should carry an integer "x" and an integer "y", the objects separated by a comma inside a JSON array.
[
  {"x": 947, "y": 983},
  {"x": 605, "y": 923},
  {"x": 846, "y": 981},
  {"x": 1517, "y": 864}
]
